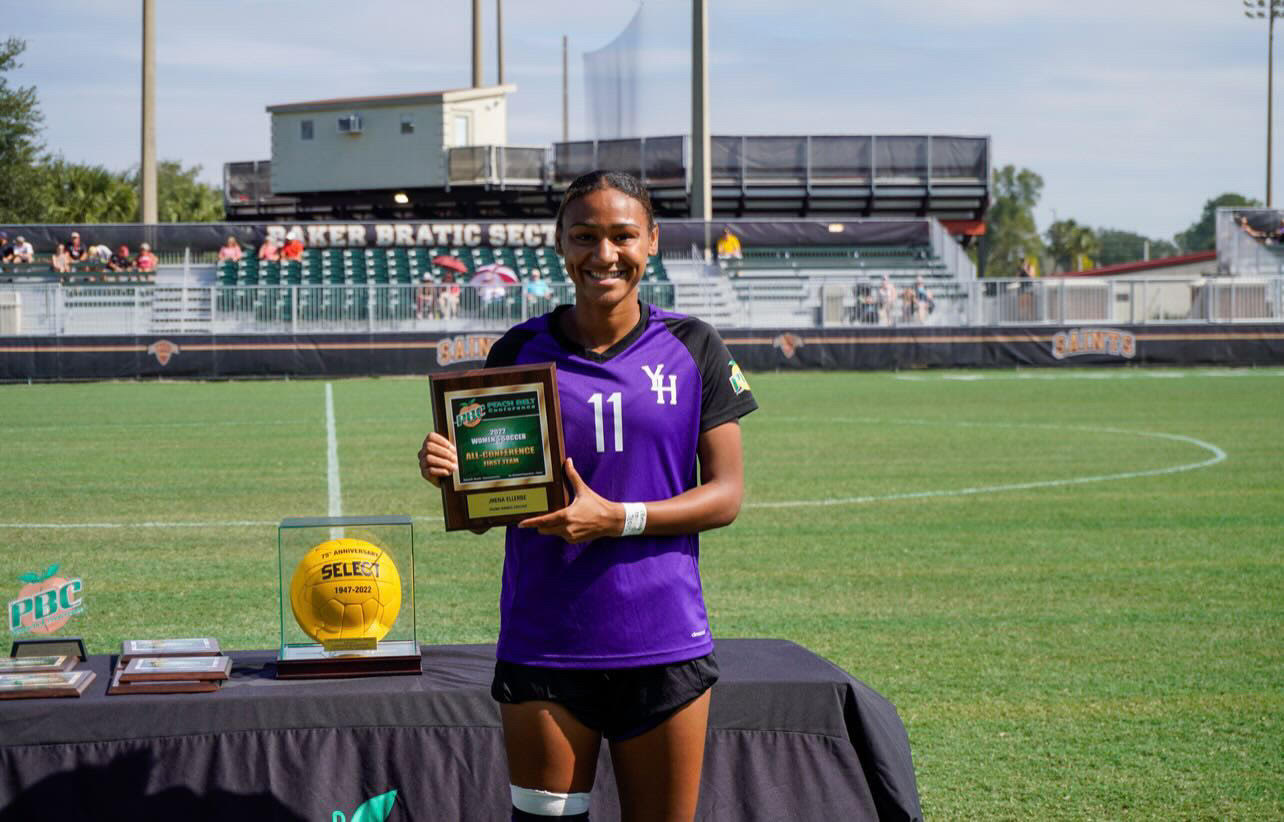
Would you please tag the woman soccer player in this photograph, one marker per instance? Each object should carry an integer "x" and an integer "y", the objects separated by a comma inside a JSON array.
[{"x": 603, "y": 631}]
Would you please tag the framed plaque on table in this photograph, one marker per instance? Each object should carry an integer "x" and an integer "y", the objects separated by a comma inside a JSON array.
[
  {"x": 506, "y": 426},
  {"x": 194, "y": 646},
  {"x": 37, "y": 665},
  {"x": 47, "y": 684}
]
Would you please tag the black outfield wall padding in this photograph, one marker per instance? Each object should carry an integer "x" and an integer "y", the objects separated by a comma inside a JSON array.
[{"x": 859, "y": 349}]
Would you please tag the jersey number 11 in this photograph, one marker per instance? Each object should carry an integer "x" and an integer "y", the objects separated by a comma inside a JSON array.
[{"x": 617, "y": 415}]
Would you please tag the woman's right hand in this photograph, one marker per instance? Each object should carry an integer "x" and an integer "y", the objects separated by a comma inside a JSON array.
[{"x": 437, "y": 458}]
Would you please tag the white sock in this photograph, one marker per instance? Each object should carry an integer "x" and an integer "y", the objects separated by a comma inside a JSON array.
[{"x": 549, "y": 803}]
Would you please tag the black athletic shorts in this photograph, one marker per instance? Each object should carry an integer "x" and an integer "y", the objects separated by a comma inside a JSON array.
[{"x": 620, "y": 703}]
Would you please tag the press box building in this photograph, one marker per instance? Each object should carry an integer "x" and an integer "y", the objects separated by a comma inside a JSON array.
[{"x": 392, "y": 143}]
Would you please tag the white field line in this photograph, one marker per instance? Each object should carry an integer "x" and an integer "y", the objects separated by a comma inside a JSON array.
[
  {"x": 1217, "y": 455},
  {"x": 332, "y": 461},
  {"x": 57, "y": 526},
  {"x": 150, "y": 425},
  {"x": 1107, "y": 374}
]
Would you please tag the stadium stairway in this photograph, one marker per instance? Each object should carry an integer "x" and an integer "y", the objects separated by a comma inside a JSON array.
[{"x": 700, "y": 289}]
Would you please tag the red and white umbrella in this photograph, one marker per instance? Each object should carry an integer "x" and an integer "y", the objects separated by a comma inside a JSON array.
[{"x": 495, "y": 274}]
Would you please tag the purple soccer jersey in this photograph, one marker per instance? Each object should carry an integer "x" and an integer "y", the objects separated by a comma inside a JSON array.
[{"x": 631, "y": 419}]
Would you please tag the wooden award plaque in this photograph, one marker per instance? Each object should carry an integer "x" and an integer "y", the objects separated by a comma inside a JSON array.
[{"x": 506, "y": 425}]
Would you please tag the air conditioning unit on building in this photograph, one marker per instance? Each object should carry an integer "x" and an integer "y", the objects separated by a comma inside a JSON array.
[{"x": 350, "y": 124}]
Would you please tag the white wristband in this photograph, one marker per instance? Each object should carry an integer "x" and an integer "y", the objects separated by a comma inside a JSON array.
[{"x": 634, "y": 518}]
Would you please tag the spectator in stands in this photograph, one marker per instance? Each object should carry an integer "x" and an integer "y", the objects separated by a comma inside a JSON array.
[
  {"x": 61, "y": 260},
  {"x": 865, "y": 308},
  {"x": 231, "y": 251},
  {"x": 909, "y": 305},
  {"x": 537, "y": 291},
  {"x": 6, "y": 248},
  {"x": 99, "y": 255},
  {"x": 1253, "y": 232},
  {"x": 23, "y": 252},
  {"x": 1273, "y": 237},
  {"x": 269, "y": 252},
  {"x": 1248, "y": 228},
  {"x": 293, "y": 248},
  {"x": 75, "y": 250},
  {"x": 924, "y": 302},
  {"x": 448, "y": 297},
  {"x": 146, "y": 259},
  {"x": 492, "y": 295},
  {"x": 886, "y": 301},
  {"x": 729, "y": 246},
  {"x": 426, "y": 297},
  {"x": 120, "y": 261}
]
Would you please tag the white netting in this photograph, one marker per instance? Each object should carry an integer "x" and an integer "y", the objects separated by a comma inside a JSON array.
[
  {"x": 639, "y": 84},
  {"x": 611, "y": 83}
]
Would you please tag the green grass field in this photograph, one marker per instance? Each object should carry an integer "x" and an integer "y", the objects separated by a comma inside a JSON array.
[{"x": 1070, "y": 583}]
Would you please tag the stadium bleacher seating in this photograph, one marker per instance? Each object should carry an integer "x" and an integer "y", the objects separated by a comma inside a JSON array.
[
  {"x": 841, "y": 257},
  {"x": 405, "y": 266},
  {"x": 347, "y": 270}
]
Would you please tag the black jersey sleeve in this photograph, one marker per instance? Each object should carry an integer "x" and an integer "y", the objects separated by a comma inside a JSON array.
[
  {"x": 504, "y": 351},
  {"x": 724, "y": 391}
]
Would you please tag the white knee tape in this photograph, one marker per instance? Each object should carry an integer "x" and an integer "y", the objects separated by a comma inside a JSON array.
[{"x": 548, "y": 803}]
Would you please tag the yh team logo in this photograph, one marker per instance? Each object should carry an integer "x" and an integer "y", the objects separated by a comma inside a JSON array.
[
  {"x": 374, "y": 809},
  {"x": 45, "y": 602}
]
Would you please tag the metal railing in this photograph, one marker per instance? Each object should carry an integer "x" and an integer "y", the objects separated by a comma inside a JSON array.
[
  {"x": 834, "y": 301},
  {"x": 789, "y": 159},
  {"x": 53, "y": 309},
  {"x": 497, "y": 165}
]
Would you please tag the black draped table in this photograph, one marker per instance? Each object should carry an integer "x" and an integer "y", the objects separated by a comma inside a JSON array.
[{"x": 791, "y": 737}]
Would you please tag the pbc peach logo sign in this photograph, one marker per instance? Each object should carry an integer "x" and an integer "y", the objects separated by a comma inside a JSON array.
[
  {"x": 788, "y": 344},
  {"x": 45, "y": 602},
  {"x": 162, "y": 350}
]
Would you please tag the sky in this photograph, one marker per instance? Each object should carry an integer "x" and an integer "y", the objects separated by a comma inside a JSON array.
[{"x": 1134, "y": 114}]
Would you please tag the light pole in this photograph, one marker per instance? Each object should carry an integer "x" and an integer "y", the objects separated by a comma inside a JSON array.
[
  {"x": 1267, "y": 10},
  {"x": 147, "y": 165}
]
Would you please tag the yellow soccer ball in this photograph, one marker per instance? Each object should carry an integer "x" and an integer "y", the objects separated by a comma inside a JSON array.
[{"x": 345, "y": 589}]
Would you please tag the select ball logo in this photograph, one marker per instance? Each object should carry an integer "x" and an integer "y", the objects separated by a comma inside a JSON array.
[
  {"x": 345, "y": 589},
  {"x": 45, "y": 602}
]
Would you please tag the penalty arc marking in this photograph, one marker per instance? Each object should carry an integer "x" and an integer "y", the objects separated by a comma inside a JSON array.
[{"x": 1217, "y": 455}]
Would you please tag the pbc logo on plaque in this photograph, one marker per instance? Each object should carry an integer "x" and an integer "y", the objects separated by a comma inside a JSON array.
[
  {"x": 470, "y": 415},
  {"x": 45, "y": 602},
  {"x": 1107, "y": 341}
]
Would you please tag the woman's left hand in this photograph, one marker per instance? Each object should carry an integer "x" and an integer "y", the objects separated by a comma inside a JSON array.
[{"x": 588, "y": 517}]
